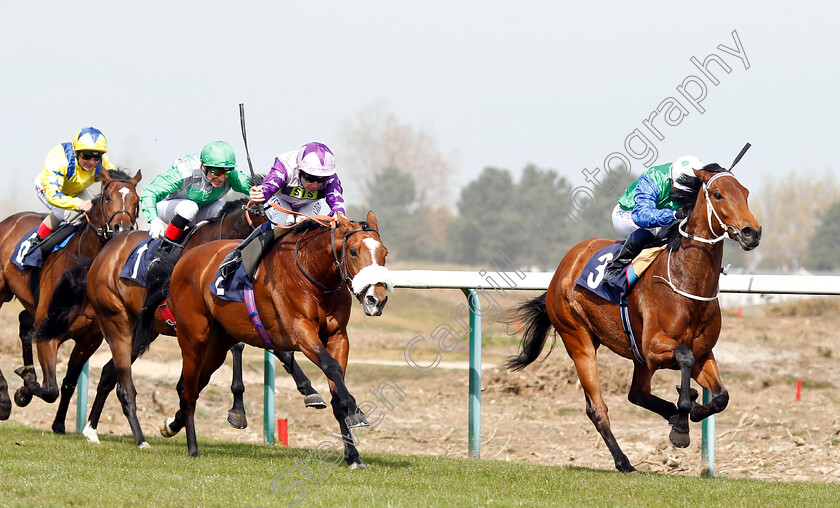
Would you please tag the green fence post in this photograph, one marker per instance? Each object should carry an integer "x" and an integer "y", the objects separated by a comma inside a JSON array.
[
  {"x": 81, "y": 397},
  {"x": 475, "y": 374},
  {"x": 268, "y": 398},
  {"x": 707, "y": 449}
]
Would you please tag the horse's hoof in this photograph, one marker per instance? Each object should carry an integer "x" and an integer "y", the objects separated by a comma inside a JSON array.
[
  {"x": 315, "y": 401},
  {"x": 22, "y": 397},
  {"x": 58, "y": 428},
  {"x": 357, "y": 465},
  {"x": 679, "y": 439},
  {"x": 165, "y": 430},
  {"x": 90, "y": 434},
  {"x": 5, "y": 410},
  {"x": 144, "y": 445},
  {"x": 356, "y": 420},
  {"x": 237, "y": 420}
]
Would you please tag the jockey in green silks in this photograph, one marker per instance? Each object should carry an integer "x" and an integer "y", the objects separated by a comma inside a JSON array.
[
  {"x": 647, "y": 208},
  {"x": 191, "y": 191}
]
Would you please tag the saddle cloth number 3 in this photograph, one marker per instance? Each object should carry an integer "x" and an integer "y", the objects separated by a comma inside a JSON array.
[{"x": 595, "y": 277}]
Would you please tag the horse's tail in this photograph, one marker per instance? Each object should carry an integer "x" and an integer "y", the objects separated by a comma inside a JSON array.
[
  {"x": 157, "y": 290},
  {"x": 69, "y": 296},
  {"x": 534, "y": 319}
]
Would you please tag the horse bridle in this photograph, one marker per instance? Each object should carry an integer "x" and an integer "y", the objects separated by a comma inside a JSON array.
[
  {"x": 341, "y": 264},
  {"x": 106, "y": 231},
  {"x": 710, "y": 210}
]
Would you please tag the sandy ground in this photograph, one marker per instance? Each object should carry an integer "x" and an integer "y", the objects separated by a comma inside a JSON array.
[{"x": 535, "y": 415}]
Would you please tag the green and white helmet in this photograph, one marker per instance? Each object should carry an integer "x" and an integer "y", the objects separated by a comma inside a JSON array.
[
  {"x": 218, "y": 154},
  {"x": 682, "y": 171}
]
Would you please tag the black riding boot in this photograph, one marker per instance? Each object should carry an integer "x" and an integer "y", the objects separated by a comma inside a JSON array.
[
  {"x": 34, "y": 242},
  {"x": 169, "y": 245},
  {"x": 631, "y": 248},
  {"x": 248, "y": 252}
]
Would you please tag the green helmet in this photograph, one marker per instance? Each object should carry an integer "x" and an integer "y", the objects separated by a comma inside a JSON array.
[{"x": 218, "y": 154}]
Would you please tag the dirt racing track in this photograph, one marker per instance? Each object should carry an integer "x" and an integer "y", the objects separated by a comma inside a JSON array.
[{"x": 535, "y": 415}]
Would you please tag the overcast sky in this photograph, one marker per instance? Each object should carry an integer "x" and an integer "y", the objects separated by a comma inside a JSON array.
[{"x": 496, "y": 83}]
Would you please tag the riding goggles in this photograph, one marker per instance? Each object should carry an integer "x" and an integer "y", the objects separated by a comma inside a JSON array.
[
  {"x": 88, "y": 154},
  {"x": 312, "y": 178},
  {"x": 217, "y": 171}
]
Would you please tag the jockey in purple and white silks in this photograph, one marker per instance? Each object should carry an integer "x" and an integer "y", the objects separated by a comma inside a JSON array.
[
  {"x": 647, "y": 208},
  {"x": 301, "y": 181}
]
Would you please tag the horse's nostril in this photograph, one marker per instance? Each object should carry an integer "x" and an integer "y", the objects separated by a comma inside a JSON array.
[{"x": 370, "y": 300}]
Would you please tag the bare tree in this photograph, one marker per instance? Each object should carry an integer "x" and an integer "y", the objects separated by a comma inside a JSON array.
[
  {"x": 375, "y": 139},
  {"x": 789, "y": 209}
]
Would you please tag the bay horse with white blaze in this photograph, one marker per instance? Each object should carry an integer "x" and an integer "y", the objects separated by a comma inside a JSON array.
[
  {"x": 98, "y": 286},
  {"x": 114, "y": 211},
  {"x": 674, "y": 311},
  {"x": 302, "y": 291}
]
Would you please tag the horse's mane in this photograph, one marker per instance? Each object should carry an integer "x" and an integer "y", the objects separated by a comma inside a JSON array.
[
  {"x": 228, "y": 208},
  {"x": 119, "y": 174},
  {"x": 686, "y": 199},
  {"x": 311, "y": 225},
  {"x": 235, "y": 204}
]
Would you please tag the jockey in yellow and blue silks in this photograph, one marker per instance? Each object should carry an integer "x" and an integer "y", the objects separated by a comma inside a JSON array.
[
  {"x": 68, "y": 172},
  {"x": 647, "y": 208}
]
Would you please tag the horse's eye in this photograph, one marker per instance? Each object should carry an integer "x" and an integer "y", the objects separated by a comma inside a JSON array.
[
  {"x": 354, "y": 252},
  {"x": 718, "y": 196},
  {"x": 107, "y": 199}
]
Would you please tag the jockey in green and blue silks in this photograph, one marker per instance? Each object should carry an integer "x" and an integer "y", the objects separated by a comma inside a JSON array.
[
  {"x": 191, "y": 190},
  {"x": 68, "y": 172},
  {"x": 647, "y": 208}
]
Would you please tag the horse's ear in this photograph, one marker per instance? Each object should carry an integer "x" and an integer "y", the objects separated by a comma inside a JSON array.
[
  {"x": 137, "y": 177},
  {"x": 342, "y": 220},
  {"x": 371, "y": 220},
  {"x": 105, "y": 175}
]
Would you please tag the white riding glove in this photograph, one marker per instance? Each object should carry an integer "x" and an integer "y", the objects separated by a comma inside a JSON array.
[
  {"x": 157, "y": 228},
  {"x": 256, "y": 194}
]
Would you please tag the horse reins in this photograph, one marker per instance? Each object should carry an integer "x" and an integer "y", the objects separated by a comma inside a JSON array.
[
  {"x": 710, "y": 210},
  {"x": 343, "y": 269},
  {"x": 329, "y": 223}
]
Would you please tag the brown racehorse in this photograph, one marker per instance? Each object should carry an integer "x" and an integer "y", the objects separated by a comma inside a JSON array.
[
  {"x": 114, "y": 211},
  {"x": 100, "y": 289},
  {"x": 674, "y": 311},
  {"x": 302, "y": 289}
]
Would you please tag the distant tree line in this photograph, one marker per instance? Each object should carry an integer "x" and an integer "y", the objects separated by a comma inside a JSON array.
[{"x": 532, "y": 220}]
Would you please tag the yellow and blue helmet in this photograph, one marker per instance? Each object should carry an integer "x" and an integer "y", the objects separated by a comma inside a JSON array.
[{"x": 89, "y": 138}]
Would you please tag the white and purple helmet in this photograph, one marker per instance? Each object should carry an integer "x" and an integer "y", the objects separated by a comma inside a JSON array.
[{"x": 316, "y": 159}]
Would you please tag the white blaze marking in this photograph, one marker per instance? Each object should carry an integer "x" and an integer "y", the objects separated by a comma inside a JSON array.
[
  {"x": 372, "y": 245},
  {"x": 124, "y": 193}
]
